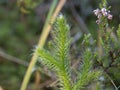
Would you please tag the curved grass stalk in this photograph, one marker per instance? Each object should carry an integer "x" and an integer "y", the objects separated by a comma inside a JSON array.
[{"x": 42, "y": 40}]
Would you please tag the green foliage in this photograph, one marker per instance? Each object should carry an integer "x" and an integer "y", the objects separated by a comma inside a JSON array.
[
  {"x": 59, "y": 60},
  {"x": 48, "y": 59},
  {"x": 17, "y": 36}
]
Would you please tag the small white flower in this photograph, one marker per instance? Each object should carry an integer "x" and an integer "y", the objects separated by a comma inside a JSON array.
[
  {"x": 110, "y": 17},
  {"x": 96, "y": 12},
  {"x": 99, "y": 15},
  {"x": 104, "y": 11},
  {"x": 60, "y": 15},
  {"x": 101, "y": 78},
  {"x": 109, "y": 11},
  {"x": 105, "y": 14}
]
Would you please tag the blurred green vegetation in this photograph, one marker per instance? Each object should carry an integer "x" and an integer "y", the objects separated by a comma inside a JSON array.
[
  {"x": 19, "y": 32},
  {"x": 18, "y": 35}
]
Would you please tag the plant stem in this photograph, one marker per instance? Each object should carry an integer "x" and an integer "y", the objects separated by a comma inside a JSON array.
[
  {"x": 46, "y": 30},
  {"x": 40, "y": 44}
]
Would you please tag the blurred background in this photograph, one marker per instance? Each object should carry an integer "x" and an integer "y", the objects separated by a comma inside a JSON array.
[{"x": 20, "y": 31}]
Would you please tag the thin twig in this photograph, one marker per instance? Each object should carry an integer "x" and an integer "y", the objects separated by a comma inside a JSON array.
[
  {"x": 112, "y": 82},
  {"x": 106, "y": 72},
  {"x": 79, "y": 19},
  {"x": 37, "y": 80},
  {"x": 19, "y": 61},
  {"x": 46, "y": 83},
  {"x": 13, "y": 59}
]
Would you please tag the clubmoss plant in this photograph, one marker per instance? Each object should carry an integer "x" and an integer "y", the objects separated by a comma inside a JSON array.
[{"x": 59, "y": 60}]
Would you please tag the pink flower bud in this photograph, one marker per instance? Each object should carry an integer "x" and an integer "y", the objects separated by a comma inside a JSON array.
[{"x": 98, "y": 21}]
